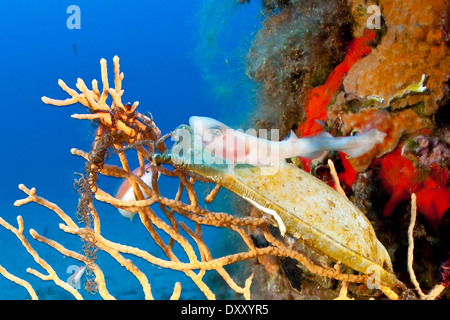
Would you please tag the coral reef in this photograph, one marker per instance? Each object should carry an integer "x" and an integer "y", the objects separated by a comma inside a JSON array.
[
  {"x": 400, "y": 178},
  {"x": 379, "y": 91},
  {"x": 121, "y": 128},
  {"x": 413, "y": 45},
  {"x": 431, "y": 150},
  {"x": 320, "y": 97},
  {"x": 395, "y": 79},
  {"x": 295, "y": 50},
  {"x": 318, "y": 68},
  {"x": 394, "y": 124}
]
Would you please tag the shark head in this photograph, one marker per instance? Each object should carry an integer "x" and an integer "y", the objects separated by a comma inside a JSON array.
[{"x": 207, "y": 127}]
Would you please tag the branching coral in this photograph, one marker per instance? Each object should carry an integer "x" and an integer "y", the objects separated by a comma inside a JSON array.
[{"x": 121, "y": 127}]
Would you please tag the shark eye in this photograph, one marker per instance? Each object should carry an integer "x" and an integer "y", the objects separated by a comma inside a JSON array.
[{"x": 215, "y": 132}]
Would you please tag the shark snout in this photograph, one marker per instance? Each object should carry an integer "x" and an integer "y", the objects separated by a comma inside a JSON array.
[{"x": 196, "y": 124}]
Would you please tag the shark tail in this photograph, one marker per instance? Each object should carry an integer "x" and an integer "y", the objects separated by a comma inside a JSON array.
[
  {"x": 359, "y": 145},
  {"x": 353, "y": 146}
]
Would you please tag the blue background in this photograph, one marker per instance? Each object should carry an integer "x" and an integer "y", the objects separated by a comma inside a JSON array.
[{"x": 180, "y": 58}]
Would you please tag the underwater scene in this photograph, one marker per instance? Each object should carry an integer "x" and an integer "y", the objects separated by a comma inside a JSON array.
[{"x": 225, "y": 150}]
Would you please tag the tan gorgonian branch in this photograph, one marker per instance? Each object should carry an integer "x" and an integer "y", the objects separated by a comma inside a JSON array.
[
  {"x": 212, "y": 195},
  {"x": 100, "y": 279},
  {"x": 335, "y": 177},
  {"x": 20, "y": 282},
  {"x": 52, "y": 276},
  {"x": 176, "y": 292},
  {"x": 437, "y": 290},
  {"x": 411, "y": 246}
]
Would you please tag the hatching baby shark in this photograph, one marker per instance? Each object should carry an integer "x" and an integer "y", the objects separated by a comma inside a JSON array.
[{"x": 237, "y": 147}]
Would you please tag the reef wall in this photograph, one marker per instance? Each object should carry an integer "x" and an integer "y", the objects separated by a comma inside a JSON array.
[{"x": 321, "y": 68}]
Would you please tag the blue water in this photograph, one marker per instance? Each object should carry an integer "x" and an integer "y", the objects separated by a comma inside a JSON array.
[{"x": 180, "y": 58}]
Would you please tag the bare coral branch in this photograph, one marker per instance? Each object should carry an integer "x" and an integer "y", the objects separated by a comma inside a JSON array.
[
  {"x": 335, "y": 177},
  {"x": 18, "y": 232},
  {"x": 411, "y": 245},
  {"x": 20, "y": 282},
  {"x": 437, "y": 290}
]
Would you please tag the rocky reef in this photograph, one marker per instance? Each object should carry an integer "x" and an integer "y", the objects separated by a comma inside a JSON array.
[
  {"x": 414, "y": 44},
  {"x": 321, "y": 68},
  {"x": 299, "y": 44}
]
